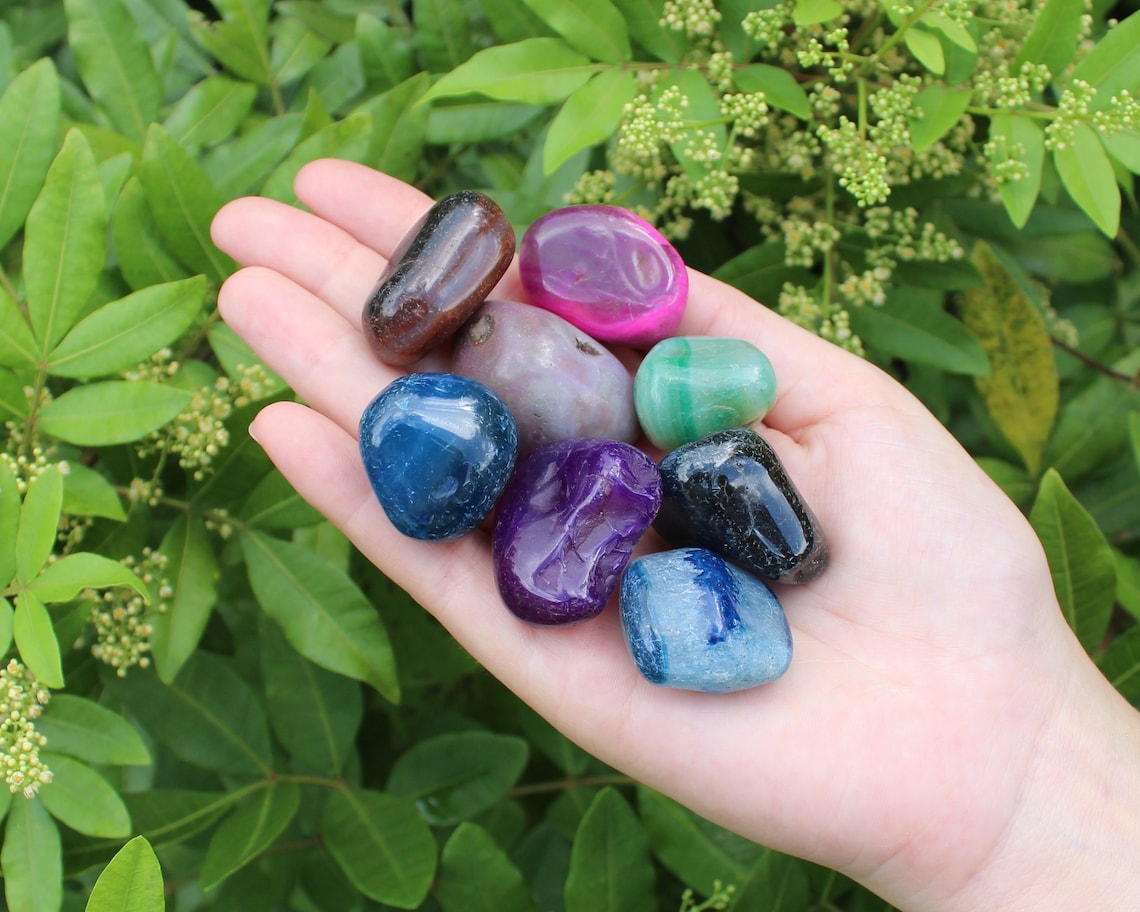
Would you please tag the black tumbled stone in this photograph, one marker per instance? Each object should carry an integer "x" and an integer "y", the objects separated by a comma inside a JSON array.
[{"x": 729, "y": 492}]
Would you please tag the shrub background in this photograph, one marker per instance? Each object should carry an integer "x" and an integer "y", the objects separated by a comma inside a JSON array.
[{"x": 947, "y": 187}]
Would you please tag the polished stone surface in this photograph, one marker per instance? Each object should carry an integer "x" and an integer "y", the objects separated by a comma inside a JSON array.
[
  {"x": 559, "y": 382},
  {"x": 730, "y": 493},
  {"x": 695, "y": 622},
  {"x": 442, "y": 270},
  {"x": 687, "y": 387},
  {"x": 567, "y": 524},
  {"x": 607, "y": 271},
  {"x": 438, "y": 450}
]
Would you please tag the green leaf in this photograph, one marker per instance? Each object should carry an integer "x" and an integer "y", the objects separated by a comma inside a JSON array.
[
  {"x": 385, "y": 52},
  {"x": 442, "y": 33},
  {"x": 1093, "y": 427},
  {"x": 953, "y": 275},
  {"x": 64, "y": 242},
  {"x": 30, "y": 860},
  {"x": 9, "y": 521},
  {"x": 183, "y": 202},
  {"x": 121, "y": 334},
  {"x": 39, "y": 522},
  {"x": 761, "y": 271},
  {"x": 88, "y": 731},
  {"x": 342, "y": 139},
  {"x": 1021, "y": 391},
  {"x": 7, "y": 622},
  {"x": 927, "y": 49},
  {"x": 13, "y": 399},
  {"x": 295, "y": 50},
  {"x": 210, "y": 112},
  {"x": 912, "y": 325},
  {"x": 453, "y": 777},
  {"x": 936, "y": 109},
  {"x": 382, "y": 844},
  {"x": 116, "y": 411},
  {"x": 955, "y": 32},
  {"x": 810, "y": 12},
  {"x": 17, "y": 344},
  {"x": 399, "y": 128},
  {"x": 29, "y": 110},
  {"x": 594, "y": 27},
  {"x": 143, "y": 260},
  {"x": 587, "y": 117},
  {"x": 1080, "y": 559},
  {"x": 249, "y": 831},
  {"x": 192, "y": 570},
  {"x": 1113, "y": 64},
  {"x": 88, "y": 493},
  {"x": 643, "y": 18},
  {"x": 132, "y": 882},
  {"x": 776, "y": 883},
  {"x": 1087, "y": 174},
  {"x": 1120, "y": 663},
  {"x": 1124, "y": 146},
  {"x": 168, "y": 816},
  {"x": 240, "y": 42},
  {"x": 1053, "y": 39},
  {"x": 236, "y": 356},
  {"x": 1024, "y": 140},
  {"x": 1128, "y": 583},
  {"x": 610, "y": 869},
  {"x": 208, "y": 716},
  {"x": 538, "y": 71},
  {"x": 323, "y": 613},
  {"x": 83, "y": 800},
  {"x": 65, "y": 578},
  {"x": 314, "y": 713},
  {"x": 698, "y": 852},
  {"x": 475, "y": 875},
  {"x": 1134, "y": 434},
  {"x": 778, "y": 85},
  {"x": 115, "y": 63},
  {"x": 35, "y": 639}
]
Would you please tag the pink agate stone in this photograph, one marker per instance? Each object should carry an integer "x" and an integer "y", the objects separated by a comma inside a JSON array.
[{"x": 607, "y": 271}]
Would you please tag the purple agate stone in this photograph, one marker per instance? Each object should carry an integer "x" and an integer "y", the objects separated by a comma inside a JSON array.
[
  {"x": 607, "y": 271},
  {"x": 558, "y": 382},
  {"x": 567, "y": 524}
]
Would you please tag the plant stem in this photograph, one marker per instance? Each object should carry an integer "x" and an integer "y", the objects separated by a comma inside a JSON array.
[
  {"x": 561, "y": 785},
  {"x": 903, "y": 29},
  {"x": 1133, "y": 381}
]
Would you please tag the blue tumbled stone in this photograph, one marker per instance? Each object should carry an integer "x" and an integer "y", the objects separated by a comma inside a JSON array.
[
  {"x": 695, "y": 622},
  {"x": 438, "y": 450}
]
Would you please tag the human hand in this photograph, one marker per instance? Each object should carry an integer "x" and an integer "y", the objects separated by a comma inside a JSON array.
[{"x": 935, "y": 695}]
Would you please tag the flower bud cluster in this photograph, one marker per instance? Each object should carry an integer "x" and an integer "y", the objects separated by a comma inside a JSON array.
[
  {"x": 803, "y": 240},
  {"x": 1072, "y": 110},
  {"x": 198, "y": 434},
  {"x": 22, "y": 700},
  {"x": 121, "y": 616},
  {"x": 861, "y": 164},
  {"x": 695, "y": 18}
]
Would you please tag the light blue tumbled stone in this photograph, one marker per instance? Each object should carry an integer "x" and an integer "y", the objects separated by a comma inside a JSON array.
[{"x": 695, "y": 622}]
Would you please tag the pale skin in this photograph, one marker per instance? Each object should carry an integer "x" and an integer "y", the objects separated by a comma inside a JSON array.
[{"x": 940, "y": 737}]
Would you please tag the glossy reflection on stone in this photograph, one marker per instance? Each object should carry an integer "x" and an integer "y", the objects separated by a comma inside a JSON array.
[
  {"x": 607, "y": 271},
  {"x": 729, "y": 492},
  {"x": 688, "y": 387},
  {"x": 559, "y": 382},
  {"x": 442, "y": 270},
  {"x": 695, "y": 622},
  {"x": 567, "y": 524},
  {"x": 438, "y": 450}
]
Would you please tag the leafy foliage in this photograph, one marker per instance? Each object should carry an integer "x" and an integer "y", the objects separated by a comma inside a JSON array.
[{"x": 216, "y": 694}]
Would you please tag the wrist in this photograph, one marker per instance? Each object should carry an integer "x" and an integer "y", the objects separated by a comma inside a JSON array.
[{"x": 1074, "y": 837}]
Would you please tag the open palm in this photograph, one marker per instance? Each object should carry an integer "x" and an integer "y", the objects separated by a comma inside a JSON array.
[{"x": 927, "y": 656}]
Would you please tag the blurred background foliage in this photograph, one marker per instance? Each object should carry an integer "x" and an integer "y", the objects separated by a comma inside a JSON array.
[{"x": 946, "y": 187}]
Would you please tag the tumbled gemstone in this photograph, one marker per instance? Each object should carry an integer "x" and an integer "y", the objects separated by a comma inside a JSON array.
[
  {"x": 438, "y": 450},
  {"x": 566, "y": 526},
  {"x": 607, "y": 271},
  {"x": 729, "y": 492},
  {"x": 441, "y": 271},
  {"x": 559, "y": 382},
  {"x": 695, "y": 622},
  {"x": 688, "y": 387}
]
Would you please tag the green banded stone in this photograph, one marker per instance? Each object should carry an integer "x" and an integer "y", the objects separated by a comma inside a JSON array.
[{"x": 691, "y": 386}]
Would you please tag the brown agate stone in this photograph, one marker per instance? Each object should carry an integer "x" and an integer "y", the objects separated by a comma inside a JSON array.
[{"x": 439, "y": 274}]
